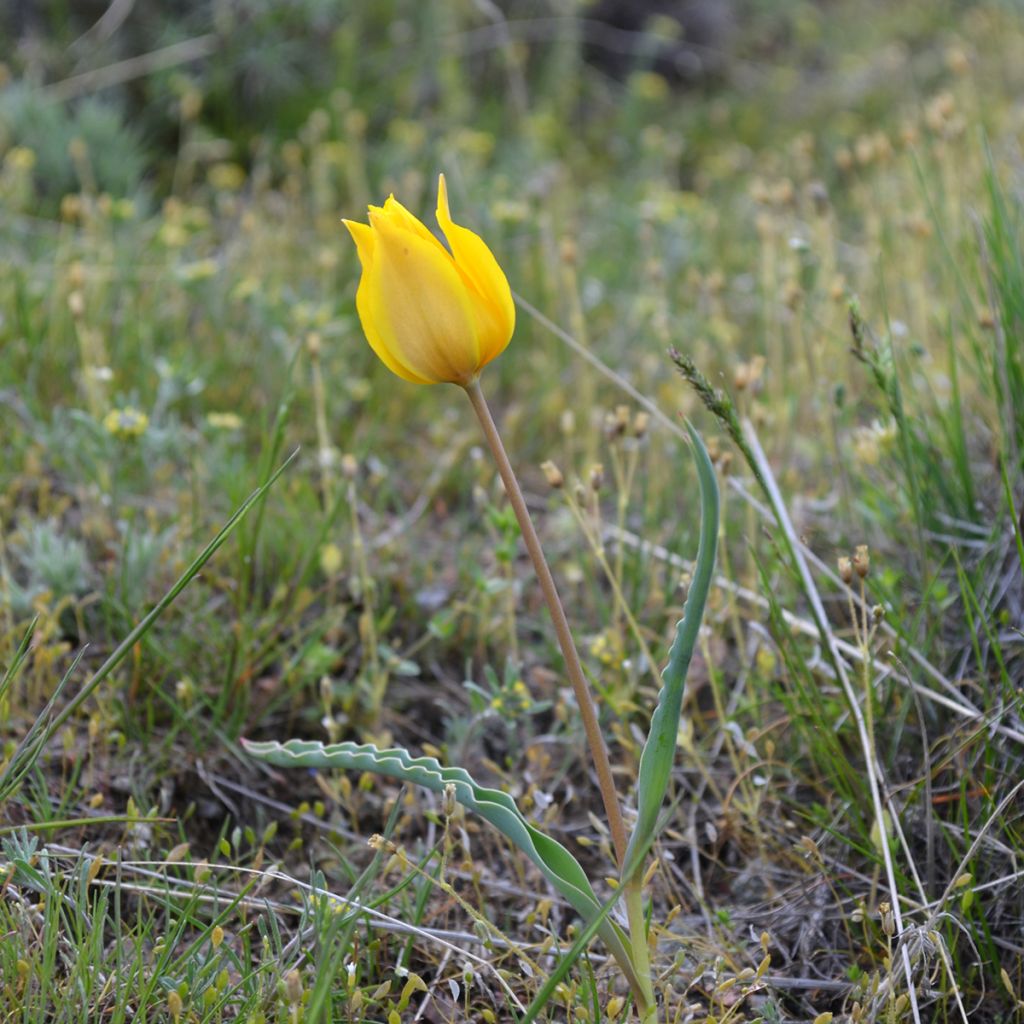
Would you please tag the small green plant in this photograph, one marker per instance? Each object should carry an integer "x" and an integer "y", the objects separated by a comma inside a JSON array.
[{"x": 49, "y": 562}]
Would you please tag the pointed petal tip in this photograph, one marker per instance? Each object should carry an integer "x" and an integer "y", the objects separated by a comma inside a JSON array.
[
  {"x": 357, "y": 229},
  {"x": 443, "y": 211},
  {"x": 362, "y": 235}
]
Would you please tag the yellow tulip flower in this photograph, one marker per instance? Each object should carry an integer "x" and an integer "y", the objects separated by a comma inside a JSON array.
[{"x": 432, "y": 316}]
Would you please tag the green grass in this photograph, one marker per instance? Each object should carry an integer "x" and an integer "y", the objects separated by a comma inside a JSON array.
[{"x": 832, "y": 235}]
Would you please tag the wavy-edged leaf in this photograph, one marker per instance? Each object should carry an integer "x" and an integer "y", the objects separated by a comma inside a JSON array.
[
  {"x": 555, "y": 862},
  {"x": 659, "y": 751}
]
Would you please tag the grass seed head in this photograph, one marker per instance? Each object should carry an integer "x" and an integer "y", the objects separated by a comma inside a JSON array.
[
  {"x": 861, "y": 560},
  {"x": 552, "y": 474},
  {"x": 844, "y": 566}
]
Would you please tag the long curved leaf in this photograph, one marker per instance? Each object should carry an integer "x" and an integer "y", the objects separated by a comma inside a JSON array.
[
  {"x": 659, "y": 751},
  {"x": 555, "y": 862}
]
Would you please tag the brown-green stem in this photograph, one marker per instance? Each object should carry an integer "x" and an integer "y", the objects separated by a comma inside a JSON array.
[{"x": 573, "y": 666}]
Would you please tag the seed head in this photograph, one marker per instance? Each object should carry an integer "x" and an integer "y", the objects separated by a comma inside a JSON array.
[
  {"x": 861, "y": 560},
  {"x": 293, "y": 987},
  {"x": 349, "y": 466},
  {"x": 845, "y": 567},
  {"x": 552, "y": 474},
  {"x": 448, "y": 803},
  {"x": 885, "y": 914}
]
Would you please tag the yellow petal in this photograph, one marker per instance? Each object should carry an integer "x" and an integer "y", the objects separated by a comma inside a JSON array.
[
  {"x": 479, "y": 267},
  {"x": 397, "y": 214},
  {"x": 364, "y": 304},
  {"x": 419, "y": 306},
  {"x": 362, "y": 235}
]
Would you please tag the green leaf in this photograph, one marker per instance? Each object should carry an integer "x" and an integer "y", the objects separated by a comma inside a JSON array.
[
  {"x": 555, "y": 862},
  {"x": 19, "y": 659},
  {"x": 659, "y": 751}
]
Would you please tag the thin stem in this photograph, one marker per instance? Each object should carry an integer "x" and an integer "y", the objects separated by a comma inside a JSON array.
[
  {"x": 647, "y": 1005},
  {"x": 584, "y": 697}
]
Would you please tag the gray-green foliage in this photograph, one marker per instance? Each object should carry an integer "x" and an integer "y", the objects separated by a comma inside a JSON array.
[
  {"x": 555, "y": 862},
  {"x": 45, "y": 560},
  {"x": 115, "y": 153}
]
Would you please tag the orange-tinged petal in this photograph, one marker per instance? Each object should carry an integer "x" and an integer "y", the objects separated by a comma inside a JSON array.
[
  {"x": 419, "y": 305},
  {"x": 477, "y": 263}
]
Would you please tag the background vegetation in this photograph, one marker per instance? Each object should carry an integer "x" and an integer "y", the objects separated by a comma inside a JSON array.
[{"x": 819, "y": 204}]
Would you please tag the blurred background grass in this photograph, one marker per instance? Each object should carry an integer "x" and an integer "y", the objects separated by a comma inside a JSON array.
[{"x": 177, "y": 315}]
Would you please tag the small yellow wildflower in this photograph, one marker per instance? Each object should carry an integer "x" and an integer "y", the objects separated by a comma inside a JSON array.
[
  {"x": 330, "y": 559},
  {"x": 245, "y": 289},
  {"x": 648, "y": 85},
  {"x": 20, "y": 158},
  {"x": 124, "y": 209},
  {"x": 224, "y": 420},
  {"x": 126, "y": 423},
  {"x": 200, "y": 270},
  {"x": 226, "y": 177},
  {"x": 871, "y": 442}
]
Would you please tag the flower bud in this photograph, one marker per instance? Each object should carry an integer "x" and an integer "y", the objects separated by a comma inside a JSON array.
[{"x": 430, "y": 315}]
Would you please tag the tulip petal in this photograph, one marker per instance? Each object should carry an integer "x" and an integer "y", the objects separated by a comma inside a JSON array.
[
  {"x": 419, "y": 305},
  {"x": 363, "y": 236},
  {"x": 364, "y": 303},
  {"x": 477, "y": 264},
  {"x": 398, "y": 214}
]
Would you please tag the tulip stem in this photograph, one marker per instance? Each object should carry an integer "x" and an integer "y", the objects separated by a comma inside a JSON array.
[{"x": 581, "y": 688}]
